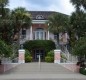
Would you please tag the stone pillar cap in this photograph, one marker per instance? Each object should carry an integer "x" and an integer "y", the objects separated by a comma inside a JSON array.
[
  {"x": 57, "y": 50},
  {"x": 21, "y": 50}
]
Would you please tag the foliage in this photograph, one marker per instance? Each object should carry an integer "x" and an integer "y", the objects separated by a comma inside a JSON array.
[
  {"x": 83, "y": 71},
  {"x": 78, "y": 22},
  {"x": 58, "y": 22},
  {"x": 5, "y": 50},
  {"x": 20, "y": 17},
  {"x": 50, "y": 57},
  {"x": 28, "y": 57},
  {"x": 6, "y": 30},
  {"x": 63, "y": 57},
  {"x": 80, "y": 47},
  {"x": 47, "y": 45},
  {"x": 12, "y": 21},
  {"x": 3, "y": 3},
  {"x": 79, "y": 3}
]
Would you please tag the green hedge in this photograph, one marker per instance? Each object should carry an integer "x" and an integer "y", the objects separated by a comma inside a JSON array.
[
  {"x": 82, "y": 71},
  {"x": 47, "y": 45},
  {"x": 28, "y": 57},
  {"x": 50, "y": 57}
]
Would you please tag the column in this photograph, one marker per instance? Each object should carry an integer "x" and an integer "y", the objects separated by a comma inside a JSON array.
[
  {"x": 31, "y": 33},
  {"x": 48, "y": 35},
  {"x": 57, "y": 56},
  {"x": 21, "y": 56}
]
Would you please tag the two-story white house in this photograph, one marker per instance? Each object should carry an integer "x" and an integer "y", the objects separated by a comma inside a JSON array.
[{"x": 38, "y": 30}]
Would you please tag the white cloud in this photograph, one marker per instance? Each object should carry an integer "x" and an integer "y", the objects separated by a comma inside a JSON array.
[
  {"x": 63, "y": 6},
  {"x": 17, "y": 3},
  {"x": 66, "y": 6}
]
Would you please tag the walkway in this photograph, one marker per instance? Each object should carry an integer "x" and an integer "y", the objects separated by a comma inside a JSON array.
[{"x": 45, "y": 71}]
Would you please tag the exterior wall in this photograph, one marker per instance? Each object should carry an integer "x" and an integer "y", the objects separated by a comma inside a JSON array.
[
  {"x": 30, "y": 31},
  {"x": 51, "y": 36},
  {"x": 22, "y": 40},
  {"x": 30, "y": 36}
]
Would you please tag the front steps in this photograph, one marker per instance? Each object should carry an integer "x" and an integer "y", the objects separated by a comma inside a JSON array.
[{"x": 45, "y": 71}]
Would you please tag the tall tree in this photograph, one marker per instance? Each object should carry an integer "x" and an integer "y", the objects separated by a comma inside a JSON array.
[
  {"x": 20, "y": 17},
  {"x": 79, "y": 3},
  {"x": 78, "y": 22},
  {"x": 58, "y": 22},
  {"x": 3, "y": 4}
]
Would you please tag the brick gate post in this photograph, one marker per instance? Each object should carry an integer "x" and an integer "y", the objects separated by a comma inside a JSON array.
[
  {"x": 21, "y": 56},
  {"x": 57, "y": 56}
]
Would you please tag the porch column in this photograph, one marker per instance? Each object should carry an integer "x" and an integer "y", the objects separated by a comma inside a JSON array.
[
  {"x": 31, "y": 33},
  {"x": 48, "y": 35}
]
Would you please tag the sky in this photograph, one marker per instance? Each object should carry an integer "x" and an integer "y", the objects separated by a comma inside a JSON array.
[{"x": 63, "y": 6}]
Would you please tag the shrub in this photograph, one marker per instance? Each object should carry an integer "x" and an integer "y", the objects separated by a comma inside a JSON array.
[
  {"x": 50, "y": 57},
  {"x": 47, "y": 45},
  {"x": 63, "y": 58},
  {"x": 5, "y": 49},
  {"x": 80, "y": 47},
  {"x": 82, "y": 71},
  {"x": 28, "y": 57}
]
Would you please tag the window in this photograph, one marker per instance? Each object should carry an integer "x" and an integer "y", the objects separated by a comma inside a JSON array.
[
  {"x": 39, "y": 17},
  {"x": 39, "y": 34},
  {"x": 23, "y": 33}
]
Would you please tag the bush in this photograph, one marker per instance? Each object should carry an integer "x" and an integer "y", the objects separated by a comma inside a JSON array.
[
  {"x": 80, "y": 47},
  {"x": 5, "y": 49},
  {"x": 82, "y": 71},
  {"x": 47, "y": 45},
  {"x": 63, "y": 58},
  {"x": 28, "y": 57},
  {"x": 50, "y": 57}
]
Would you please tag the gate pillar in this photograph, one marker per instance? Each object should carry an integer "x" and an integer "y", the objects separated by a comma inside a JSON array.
[
  {"x": 21, "y": 58},
  {"x": 57, "y": 56}
]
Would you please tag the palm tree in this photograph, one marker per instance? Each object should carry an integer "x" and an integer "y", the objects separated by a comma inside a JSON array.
[
  {"x": 78, "y": 4},
  {"x": 78, "y": 22},
  {"x": 58, "y": 22},
  {"x": 6, "y": 27},
  {"x": 20, "y": 17}
]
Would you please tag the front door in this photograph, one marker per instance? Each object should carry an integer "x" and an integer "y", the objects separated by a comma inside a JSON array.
[{"x": 37, "y": 53}]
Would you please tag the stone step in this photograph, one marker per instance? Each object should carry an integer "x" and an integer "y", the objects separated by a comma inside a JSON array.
[
  {"x": 43, "y": 77},
  {"x": 36, "y": 68},
  {"x": 45, "y": 71}
]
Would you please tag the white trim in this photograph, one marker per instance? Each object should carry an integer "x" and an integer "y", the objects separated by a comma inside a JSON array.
[
  {"x": 48, "y": 35},
  {"x": 57, "y": 50},
  {"x": 31, "y": 33},
  {"x": 39, "y": 21}
]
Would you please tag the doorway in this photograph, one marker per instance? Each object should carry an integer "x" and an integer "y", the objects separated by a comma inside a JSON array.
[{"x": 38, "y": 52}]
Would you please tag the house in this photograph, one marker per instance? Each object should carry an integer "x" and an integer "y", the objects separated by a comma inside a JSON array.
[{"x": 38, "y": 30}]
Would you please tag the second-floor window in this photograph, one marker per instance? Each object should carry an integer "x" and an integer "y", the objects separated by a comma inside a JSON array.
[{"x": 39, "y": 34}]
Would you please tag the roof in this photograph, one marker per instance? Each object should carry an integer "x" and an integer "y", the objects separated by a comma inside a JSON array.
[{"x": 41, "y": 15}]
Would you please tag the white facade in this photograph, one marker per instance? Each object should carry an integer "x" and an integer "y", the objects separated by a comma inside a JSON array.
[{"x": 37, "y": 34}]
